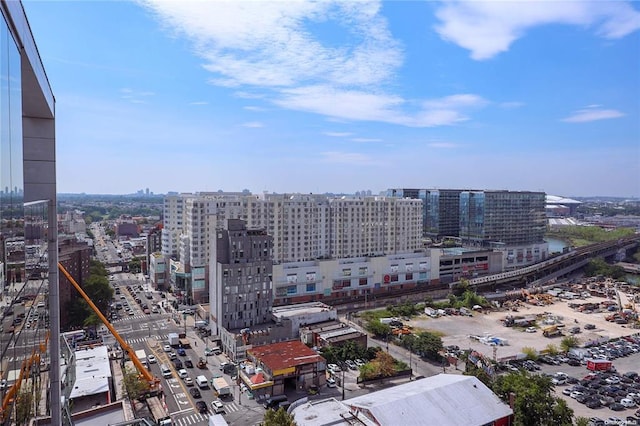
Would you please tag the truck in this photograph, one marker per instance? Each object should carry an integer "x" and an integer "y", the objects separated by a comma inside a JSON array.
[
  {"x": 551, "y": 331},
  {"x": 142, "y": 356},
  {"x": 184, "y": 342},
  {"x": 158, "y": 413},
  {"x": 174, "y": 339},
  {"x": 599, "y": 365},
  {"x": 221, "y": 386}
]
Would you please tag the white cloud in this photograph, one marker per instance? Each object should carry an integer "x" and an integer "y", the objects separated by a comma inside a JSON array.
[
  {"x": 253, "y": 124},
  {"x": 365, "y": 106},
  {"x": 366, "y": 140},
  {"x": 444, "y": 145},
  {"x": 275, "y": 48},
  {"x": 199, "y": 103},
  {"x": 337, "y": 134},
  {"x": 135, "y": 96},
  {"x": 592, "y": 113},
  {"x": 353, "y": 158},
  {"x": 511, "y": 105},
  {"x": 271, "y": 43},
  {"x": 254, "y": 108},
  {"x": 488, "y": 28}
]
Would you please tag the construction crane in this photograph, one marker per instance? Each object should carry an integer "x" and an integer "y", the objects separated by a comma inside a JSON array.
[
  {"x": 25, "y": 372},
  {"x": 154, "y": 382}
]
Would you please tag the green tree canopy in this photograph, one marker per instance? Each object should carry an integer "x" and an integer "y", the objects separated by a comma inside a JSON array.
[
  {"x": 278, "y": 418},
  {"x": 133, "y": 386},
  {"x": 534, "y": 403},
  {"x": 379, "y": 329},
  {"x": 569, "y": 342}
]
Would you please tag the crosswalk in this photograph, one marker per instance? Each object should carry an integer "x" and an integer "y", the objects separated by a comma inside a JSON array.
[
  {"x": 160, "y": 337},
  {"x": 198, "y": 418},
  {"x": 190, "y": 419}
]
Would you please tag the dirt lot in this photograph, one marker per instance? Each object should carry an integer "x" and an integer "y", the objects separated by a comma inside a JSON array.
[{"x": 457, "y": 329}]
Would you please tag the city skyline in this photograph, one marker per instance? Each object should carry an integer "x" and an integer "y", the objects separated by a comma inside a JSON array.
[{"x": 343, "y": 97}]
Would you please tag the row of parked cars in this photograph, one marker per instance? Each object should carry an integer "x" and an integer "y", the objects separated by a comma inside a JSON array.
[
  {"x": 604, "y": 389},
  {"x": 344, "y": 365}
]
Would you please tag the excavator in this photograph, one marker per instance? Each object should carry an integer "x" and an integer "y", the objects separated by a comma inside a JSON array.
[{"x": 144, "y": 374}]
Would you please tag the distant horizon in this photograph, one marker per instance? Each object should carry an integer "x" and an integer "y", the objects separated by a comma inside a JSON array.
[{"x": 157, "y": 194}]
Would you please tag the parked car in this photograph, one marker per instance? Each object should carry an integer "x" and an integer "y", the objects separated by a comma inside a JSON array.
[
  {"x": 331, "y": 383},
  {"x": 628, "y": 402},
  {"x": 152, "y": 359},
  {"x": 352, "y": 365}
]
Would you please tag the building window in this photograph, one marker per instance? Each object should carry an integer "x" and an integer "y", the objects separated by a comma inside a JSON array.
[
  {"x": 394, "y": 278},
  {"x": 362, "y": 281},
  {"x": 311, "y": 287},
  {"x": 408, "y": 276},
  {"x": 292, "y": 289}
]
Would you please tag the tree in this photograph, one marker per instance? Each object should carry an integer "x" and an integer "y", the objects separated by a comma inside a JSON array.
[
  {"x": 428, "y": 345},
  {"x": 552, "y": 349},
  {"x": 385, "y": 363},
  {"x": 133, "y": 386},
  {"x": 379, "y": 329},
  {"x": 97, "y": 288},
  {"x": 278, "y": 418},
  {"x": 530, "y": 352},
  {"x": 534, "y": 403},
  {"x": 24, "y": 406},
  {"x": 569, "y": 342}
]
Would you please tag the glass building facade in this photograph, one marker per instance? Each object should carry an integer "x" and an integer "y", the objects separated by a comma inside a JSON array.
[{"x": 29, "y": 361}]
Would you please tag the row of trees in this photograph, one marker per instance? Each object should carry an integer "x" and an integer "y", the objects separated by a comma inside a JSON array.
[{"x": 598, "y": 266}]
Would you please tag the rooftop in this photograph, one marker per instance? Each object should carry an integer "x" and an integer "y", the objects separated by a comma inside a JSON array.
[
  {"x": 449, "y": 399},
  {"x": 283, "y": 355},
  {"x": 299, "y": 309}
]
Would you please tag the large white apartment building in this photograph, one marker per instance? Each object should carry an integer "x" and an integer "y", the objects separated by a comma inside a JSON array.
[{"x": 303, "y": 226}]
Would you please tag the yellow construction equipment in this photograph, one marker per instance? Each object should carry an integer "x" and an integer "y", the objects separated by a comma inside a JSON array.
[
  {"x": 154, "y": 382},
  {"x": 25, "y": 373}
]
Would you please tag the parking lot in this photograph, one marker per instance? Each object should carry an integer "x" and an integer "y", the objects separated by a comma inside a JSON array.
[{"x": 476, "y": 332}]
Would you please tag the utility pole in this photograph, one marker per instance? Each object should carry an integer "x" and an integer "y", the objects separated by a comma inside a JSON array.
[
  {"x": 342, "y": 384},
  {"x": 410, "y": 368}
]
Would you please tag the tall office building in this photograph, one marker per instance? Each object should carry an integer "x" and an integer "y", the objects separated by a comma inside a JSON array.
[
  {"x": 441, "y": 212},
  {"x": 28, "y": 260},
  {"x": 507, "y": 217}
]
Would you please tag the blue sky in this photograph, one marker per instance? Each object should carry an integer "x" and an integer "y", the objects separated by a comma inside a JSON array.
[{"x": 294, "y": 96}]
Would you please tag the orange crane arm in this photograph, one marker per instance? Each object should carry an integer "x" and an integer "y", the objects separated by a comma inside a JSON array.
[
  {"x": 153, "y": 381},
  {"x": 12, "y": 392}
]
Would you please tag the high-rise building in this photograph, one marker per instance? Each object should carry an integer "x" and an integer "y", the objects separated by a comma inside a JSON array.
[
  {"x": 303, "y": 227},
  {"x": 28, "y": 262},
  {"x": 240, "y": 291},
  {"x": 509, "y": 218}
]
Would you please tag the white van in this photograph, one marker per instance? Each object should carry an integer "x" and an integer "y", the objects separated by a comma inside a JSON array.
[
  {"x": 202, "y": 382},
  {"x": 166, "y": 371}
]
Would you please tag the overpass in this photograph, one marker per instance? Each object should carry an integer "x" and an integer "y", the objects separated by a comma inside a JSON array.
[{"x": 557, "y": 266}]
